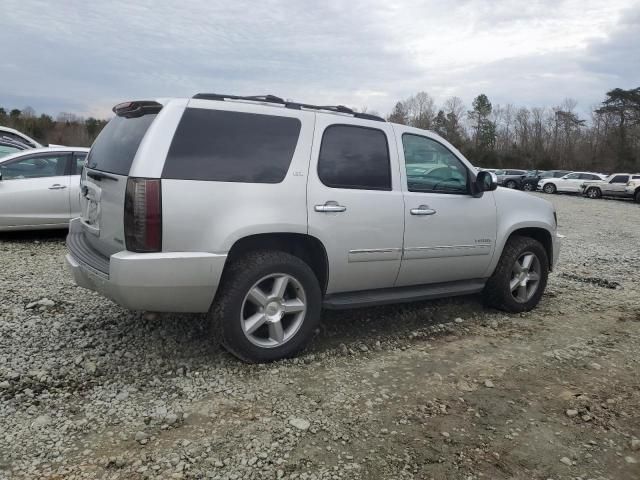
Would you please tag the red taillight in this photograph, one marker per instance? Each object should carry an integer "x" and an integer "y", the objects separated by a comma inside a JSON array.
[{"x": 143, "y": 215}]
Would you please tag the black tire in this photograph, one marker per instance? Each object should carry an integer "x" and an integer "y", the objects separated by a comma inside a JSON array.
[
  {"x": 240, "y": 277},
  {"x": 593, "y": 192},
  {"x": 636, "y": 197},
  {"x": 497, "y": 292},
  {"x": 549, "y": 188},
  {"x": 528, "y": 187},
  {"x": 511, "y": 184}
]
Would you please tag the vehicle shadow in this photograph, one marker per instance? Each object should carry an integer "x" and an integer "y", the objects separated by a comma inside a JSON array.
[{"x": 34, "y": 235}]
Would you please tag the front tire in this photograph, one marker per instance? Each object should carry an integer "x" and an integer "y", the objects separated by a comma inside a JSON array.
[
  {"x": 528, "y": 187},
  {"x": 549, "y": 188},
  {"x": 636, "y": 197},
  {"x": 594, "y": 192},
  {"x": 267, "y": 307},
  {"x": 519, "y": 280},
  {"x": 511, "y": 184}
]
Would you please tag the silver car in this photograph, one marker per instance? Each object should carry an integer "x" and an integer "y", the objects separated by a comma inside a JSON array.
[
  {"x": 40, "y": 188},
  {"x": 262, "y": 212}
]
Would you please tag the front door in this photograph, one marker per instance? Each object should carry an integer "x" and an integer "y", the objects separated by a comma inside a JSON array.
[
  {"x": 34, "y": 191},
  {"x": 449, "y": 234},
  {"x": 616, "y": 186},
  {"x": 354, "y": 202}
]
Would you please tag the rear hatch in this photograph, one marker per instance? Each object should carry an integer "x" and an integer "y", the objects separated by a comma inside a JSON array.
[{"x": 103, "y": 183}]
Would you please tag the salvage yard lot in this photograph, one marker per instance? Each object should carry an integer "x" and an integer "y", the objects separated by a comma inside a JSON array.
[{"x": 444, "y": 389}]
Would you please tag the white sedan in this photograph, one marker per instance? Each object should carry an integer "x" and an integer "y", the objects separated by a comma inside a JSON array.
[
  {"x": 571, "y": 183},
  {"x": 40, "y": 188}
]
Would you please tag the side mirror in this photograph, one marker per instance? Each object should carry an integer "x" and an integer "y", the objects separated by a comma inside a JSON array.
[{"x": 485, "y": 182}]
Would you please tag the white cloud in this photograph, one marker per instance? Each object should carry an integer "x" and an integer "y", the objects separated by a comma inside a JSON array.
[{"x": 86, "y": 56}]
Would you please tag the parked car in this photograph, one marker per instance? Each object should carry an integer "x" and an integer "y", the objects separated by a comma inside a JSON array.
[
  {"x": 510, "y": 178},
  {"x": 13, "y": 134},
  {"x": 262, "y": 211},
  {"x": 7, "y": 147},
  {"x": 570, "y": 183},
  {"x": 614, "y": 185},
  {"x": 530, "y": 182},
  {"x": 40, "y": 188}
]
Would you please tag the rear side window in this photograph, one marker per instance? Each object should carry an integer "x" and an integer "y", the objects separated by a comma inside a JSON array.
[
  {"x": 116, "y": 146},
  {"x": 354, "y": 157},
  {"x": 224, "y": 146}
]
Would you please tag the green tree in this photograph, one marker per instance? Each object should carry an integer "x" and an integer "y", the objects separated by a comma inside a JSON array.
[
  {"x": 399, "y": 114},
  {"x": 484, "y": 128}
]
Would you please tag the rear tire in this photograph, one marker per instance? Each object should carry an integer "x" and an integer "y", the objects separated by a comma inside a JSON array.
[
  {"x": 519, "y": 280},
  {"x": 636, "y": 197},
  {"x": 528, "y": 187},
  {"x": 267, "y": 307},
  {"x": 549, "y": 188},
  {"x": 593, "y": 192},
  {"x": 511, "y": 184}
]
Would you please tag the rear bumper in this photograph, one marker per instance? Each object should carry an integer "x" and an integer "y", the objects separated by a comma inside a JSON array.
[{"x": 158, "y": 282}]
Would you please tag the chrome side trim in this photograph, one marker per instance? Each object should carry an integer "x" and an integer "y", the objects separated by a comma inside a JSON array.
[
  {"x": 374, "y": 254},
  {"x": 440, "y": 251}
]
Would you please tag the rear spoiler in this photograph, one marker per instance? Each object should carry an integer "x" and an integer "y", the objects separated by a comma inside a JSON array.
[{"x": 136, "y": 108}]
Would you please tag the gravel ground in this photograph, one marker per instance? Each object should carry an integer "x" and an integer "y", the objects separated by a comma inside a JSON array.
[{"x": 444, "y": 389}]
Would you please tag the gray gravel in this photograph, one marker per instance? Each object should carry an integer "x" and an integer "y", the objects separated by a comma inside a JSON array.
[{"x": 89, "y": 390}]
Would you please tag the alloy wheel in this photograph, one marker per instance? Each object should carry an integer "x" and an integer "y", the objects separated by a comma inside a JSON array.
[
  {"x": 527, "y": 187},
  {"x": 273, "y": 310},
  {"x": 592, "y": 193},
  {"x": 525, "y": 277}
]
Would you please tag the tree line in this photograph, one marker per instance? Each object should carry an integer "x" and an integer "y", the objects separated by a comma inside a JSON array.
[
  {"x": 536, "y": 138},
  {"x": 499, "y": 136},
  {"x": 65, "y": 129}
]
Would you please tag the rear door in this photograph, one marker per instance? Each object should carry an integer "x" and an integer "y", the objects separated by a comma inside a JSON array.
[
  {"x": 34, "y": 191},
  {"x": 355, "y": 205},
  {"x": 616, "y": 186},
  {"x": 104, "y": 181},
  {"x": 569, "y": 183}
]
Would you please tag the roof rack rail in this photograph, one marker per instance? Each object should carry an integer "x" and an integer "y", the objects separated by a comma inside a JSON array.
[{"x": 293, "y": 105}]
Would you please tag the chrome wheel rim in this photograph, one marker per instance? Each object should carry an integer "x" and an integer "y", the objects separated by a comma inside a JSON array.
[
  {"x": 525, "y": 277},
  {"x": 592, "y": 193},
  {"x": 548, "y": 188},
  {"x": 273, "y": 310}
]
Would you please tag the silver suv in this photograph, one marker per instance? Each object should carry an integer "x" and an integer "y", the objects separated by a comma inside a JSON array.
[{"x": 262, "y": 212}]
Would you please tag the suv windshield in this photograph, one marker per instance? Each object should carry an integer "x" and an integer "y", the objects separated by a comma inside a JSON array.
[{"x": 116, "y": 146}]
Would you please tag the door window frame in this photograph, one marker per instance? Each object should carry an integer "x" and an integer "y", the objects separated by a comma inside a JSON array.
[
  {"x": 403, "y": 167},
  {"x": 340, "y": 187}
]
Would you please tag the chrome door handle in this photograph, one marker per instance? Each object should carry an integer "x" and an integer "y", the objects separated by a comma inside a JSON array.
[
  {"x": 423, "y": 210},
  {"x": 330, "y": 206},
  {"x": 57, "y": 186}
]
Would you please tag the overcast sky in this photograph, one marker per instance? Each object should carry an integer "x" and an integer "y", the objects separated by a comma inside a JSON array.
[{"x": 84, "y": 57}]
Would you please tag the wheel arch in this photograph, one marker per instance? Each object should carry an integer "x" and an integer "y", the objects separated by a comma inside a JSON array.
[
  {"x": 540, "y": 234},
  {"x": 306, "y": 247}
]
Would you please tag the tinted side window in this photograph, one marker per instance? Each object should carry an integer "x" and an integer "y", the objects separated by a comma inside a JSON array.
[
  {"x": 431, "y": 167},
  {"x": 117, "y": 144},
  {"x": 35, "y": 167},
  {"x": 354, "y": 157},
  {"x": 586, "y": 176},
  {"x": 224, "y": 146},
  {"x": 620, "y": 179}
]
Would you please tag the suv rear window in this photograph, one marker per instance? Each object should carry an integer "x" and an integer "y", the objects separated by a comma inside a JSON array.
[
  {"x": 225, "y": 146},
  {"x": 116, "y": 146}
]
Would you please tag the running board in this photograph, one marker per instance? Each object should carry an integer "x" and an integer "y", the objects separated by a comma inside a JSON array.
[{"x": 383, "y": 296}]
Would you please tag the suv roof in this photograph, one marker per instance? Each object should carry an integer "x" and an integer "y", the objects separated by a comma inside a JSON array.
[{"x": 272, "y": 99}]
